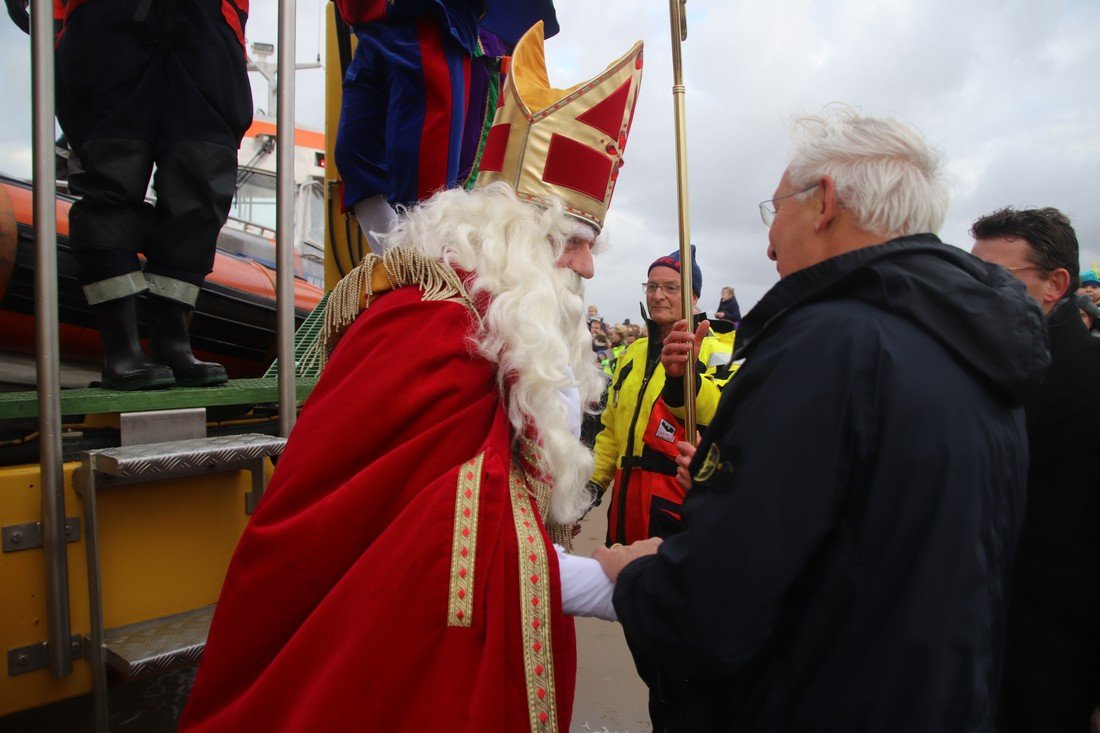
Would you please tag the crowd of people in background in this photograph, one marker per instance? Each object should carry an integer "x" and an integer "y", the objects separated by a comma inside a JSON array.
[{"x": 609, "y": 342}]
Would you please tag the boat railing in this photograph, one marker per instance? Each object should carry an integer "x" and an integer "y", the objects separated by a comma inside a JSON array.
[
  {"x": 252, "y": 227},
  {"x": 58, "y": 650}
]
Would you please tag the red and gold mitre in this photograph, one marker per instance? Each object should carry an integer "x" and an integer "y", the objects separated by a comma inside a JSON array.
[{"x": 561, "y": 142}]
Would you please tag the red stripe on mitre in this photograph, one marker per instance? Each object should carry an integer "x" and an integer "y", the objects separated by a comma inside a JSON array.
[
  {"x": 576, "y": 166},
  {"x": 496, "y": 144},
  {"x": 607, "y": 116},
  {"x": 629, "y": 120}
]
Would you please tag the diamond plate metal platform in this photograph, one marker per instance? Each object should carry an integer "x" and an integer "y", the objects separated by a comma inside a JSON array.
[
  {"x": 184, "y": 456},
  {"x": 159, "y": 644}
]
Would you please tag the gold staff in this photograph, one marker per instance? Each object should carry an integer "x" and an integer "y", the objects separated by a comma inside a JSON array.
[{"x": 677, "y": 10}]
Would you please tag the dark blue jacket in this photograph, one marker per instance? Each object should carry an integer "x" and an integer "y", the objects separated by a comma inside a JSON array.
[
  {"x": 856, "y": 505},
  {"x": 729, "y": 309},
  {"x": 1052, "y": 661}
]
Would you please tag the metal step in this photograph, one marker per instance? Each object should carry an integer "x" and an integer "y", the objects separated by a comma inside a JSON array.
[
  {"x": 158, "y": 644},
  {"x": 183, "y": 457}
]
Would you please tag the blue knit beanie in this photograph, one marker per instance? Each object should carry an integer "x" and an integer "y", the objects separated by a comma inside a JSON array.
[{"x": 673, "y": 261}]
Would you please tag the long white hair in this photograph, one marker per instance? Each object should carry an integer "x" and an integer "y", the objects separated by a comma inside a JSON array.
[
  {"x": 885, "y": 172},
  {"x": 534, "y": 328}
]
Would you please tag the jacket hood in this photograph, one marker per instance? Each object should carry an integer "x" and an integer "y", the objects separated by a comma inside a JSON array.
[{"x": 979, "y": 312}]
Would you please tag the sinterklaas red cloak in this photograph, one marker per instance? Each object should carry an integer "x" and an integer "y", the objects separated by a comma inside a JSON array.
[{"x": 396, "y": 575}]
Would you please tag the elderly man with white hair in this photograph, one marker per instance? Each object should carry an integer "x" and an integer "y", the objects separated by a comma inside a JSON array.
[{"x": 855, "y": 503}]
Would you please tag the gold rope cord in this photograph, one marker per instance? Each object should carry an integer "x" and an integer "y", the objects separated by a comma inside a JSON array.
[{"x": 399, "y": 266}]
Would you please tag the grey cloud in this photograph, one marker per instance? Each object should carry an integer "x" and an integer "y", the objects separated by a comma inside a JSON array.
[{"x": 1007, "y": 91}]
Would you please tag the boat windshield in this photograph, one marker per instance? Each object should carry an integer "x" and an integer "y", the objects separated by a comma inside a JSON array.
[{"x": 255, "y": 201}]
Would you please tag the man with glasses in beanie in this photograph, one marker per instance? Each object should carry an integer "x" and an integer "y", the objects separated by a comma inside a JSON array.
[
  {"x": 635, "y": 450},
  {"x": 1052, "y": 660},
  {"x": 636, "y": 446},
  {"x": 857, "y": 498}
]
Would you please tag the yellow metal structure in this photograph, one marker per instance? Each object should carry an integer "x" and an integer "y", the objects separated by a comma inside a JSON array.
[
  {"x": 346, "y": 244},
  {"x": 164, "y": 549}
]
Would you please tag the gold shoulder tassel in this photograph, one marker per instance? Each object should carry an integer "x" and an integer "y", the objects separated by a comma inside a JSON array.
[{"x": 395, "y": 268}]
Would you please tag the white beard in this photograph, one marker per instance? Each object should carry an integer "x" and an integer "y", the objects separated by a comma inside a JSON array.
[{"x": 534, "y": 327}]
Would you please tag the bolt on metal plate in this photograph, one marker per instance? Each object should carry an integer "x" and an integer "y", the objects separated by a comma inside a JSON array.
[
  {"x": 28, "y": 536},
  {"x": 36, "y": 656}
]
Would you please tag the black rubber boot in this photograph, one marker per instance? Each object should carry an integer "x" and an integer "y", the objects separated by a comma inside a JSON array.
[
  {"x": 170, "y": 342},
  {"x": 125, "y": 365}
]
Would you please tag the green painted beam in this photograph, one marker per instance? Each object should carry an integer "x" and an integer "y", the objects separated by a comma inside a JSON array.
[{"x": 23, "y": 405}]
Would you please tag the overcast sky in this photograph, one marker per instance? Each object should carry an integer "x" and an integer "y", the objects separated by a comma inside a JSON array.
[{"x": 1008, "y": 91}]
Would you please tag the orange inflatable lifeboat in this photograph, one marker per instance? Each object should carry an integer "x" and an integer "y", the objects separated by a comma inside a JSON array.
[{"x": 234, "y": 321}]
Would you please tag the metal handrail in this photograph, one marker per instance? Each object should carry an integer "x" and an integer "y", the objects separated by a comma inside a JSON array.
[
  {"x": 58, "y": 649},
  {"x": 284, "y": 216}
]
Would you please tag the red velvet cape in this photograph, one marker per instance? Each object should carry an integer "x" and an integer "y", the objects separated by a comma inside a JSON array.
[{"x": 335, "y": 610}]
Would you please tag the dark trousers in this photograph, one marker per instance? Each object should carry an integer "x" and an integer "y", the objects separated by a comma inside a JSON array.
[
  {"x": 403, "y": 112},
  {"x": 144, "y": 83}
]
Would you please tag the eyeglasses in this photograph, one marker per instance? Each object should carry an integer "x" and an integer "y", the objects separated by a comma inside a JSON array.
[
  {"x": 1014, "y": 270},
  {"x": 768, "y": 210},
  {"x": 671, "y": 290}
]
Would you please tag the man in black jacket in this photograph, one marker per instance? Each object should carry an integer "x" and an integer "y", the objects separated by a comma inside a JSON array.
[
  {"x": 1052, "y": 658},
  {"x": 857, "y": 499}
]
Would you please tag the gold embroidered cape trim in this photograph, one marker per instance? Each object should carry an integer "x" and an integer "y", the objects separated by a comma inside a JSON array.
[
  {"x": 396, "y": 267},
  {"x": 535, "y": 607},
  {"x": 460, "y": 606}
]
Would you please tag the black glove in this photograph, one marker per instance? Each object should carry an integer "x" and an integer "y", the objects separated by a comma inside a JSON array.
[{"x": 17, "y": 11}]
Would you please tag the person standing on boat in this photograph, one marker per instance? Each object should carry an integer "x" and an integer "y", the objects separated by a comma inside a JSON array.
[
  {"x": 414, "y": 97},
  {"x": 400, "y": 573},
  {"x": 144, "y": 84}
]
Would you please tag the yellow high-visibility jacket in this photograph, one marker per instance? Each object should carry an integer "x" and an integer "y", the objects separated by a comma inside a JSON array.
[{"x": 637, "y": 383}]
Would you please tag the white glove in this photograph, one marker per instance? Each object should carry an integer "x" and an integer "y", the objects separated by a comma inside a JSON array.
[{"x": 585, "y": 588}]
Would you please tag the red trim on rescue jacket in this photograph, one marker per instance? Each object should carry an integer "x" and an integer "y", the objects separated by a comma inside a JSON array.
[{"x": 653, "y": 499}]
